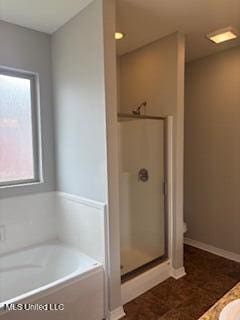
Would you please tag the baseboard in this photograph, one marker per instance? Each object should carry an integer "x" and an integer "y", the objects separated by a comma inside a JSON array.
[
  {"x": 146, "y": 281},
  {"x": 178, "y": 273},
  {"x": 116, "y": 314},
  {"x": 209, "y": 248}
]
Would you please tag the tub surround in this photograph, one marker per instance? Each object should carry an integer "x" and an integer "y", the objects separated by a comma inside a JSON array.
[
  {"x": 61, "y": 228},
  {"x": 31, "y": 215},
  {"x": 215, "y": 311},
  {"x": 82, "y": 224},
  {"x": 50, "y": 216}
]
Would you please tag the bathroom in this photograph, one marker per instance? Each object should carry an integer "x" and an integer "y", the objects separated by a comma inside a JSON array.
[{"x": 119, "y": 160}]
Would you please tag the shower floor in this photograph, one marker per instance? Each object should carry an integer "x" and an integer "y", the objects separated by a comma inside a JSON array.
[{"x": 133, "y": 258}]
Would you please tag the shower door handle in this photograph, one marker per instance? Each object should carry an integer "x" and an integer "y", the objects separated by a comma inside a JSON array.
[{"x": 143, "y": 175}]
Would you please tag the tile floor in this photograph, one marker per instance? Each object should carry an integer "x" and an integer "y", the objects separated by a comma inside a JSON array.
[{"x": 208, "y": 278}]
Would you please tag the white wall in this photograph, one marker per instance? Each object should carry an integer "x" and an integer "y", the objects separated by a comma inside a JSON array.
[
  {"x": 29, "y": 50},
  {"x": 78, "y": 77},
  {"x": 212, "y": 156},
  {"x": 155, "y": 73}
]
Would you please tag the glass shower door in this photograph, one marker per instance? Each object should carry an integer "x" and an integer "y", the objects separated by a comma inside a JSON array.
[{"x": 142, "y": 177}]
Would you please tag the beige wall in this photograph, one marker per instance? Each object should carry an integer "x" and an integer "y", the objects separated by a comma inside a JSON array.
[
  {"x": 155, "y": 73},
  {"x": 149, "y": 74},
  {"x": 212, "y": 150}
]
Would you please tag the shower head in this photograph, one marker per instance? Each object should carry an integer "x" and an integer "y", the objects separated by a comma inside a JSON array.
[{"x": 137, "y": 111}]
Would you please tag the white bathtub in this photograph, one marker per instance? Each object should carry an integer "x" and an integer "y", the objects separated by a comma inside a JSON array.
[{"x": 51, "y": 274}]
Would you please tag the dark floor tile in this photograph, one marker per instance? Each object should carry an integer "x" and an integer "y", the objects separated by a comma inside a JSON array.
[
  {"x": 220, "y": 284},
  {"x": 208, "y": 278},
  {"x": 176, "y": 314},
  {"x": 145, "y": 307},
  {"x": 234, "y": 275},
  {"x": 198, "y": 304}
]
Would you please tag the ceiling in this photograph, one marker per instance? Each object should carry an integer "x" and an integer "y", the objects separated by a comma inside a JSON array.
[
  {"x": 144, "y": 21},
  {"x": 41, "y": 15}
]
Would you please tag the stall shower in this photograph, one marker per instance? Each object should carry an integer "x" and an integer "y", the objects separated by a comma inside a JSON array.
[{"x": 142, "y": 191}]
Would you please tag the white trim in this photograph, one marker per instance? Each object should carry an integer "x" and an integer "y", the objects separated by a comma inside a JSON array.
[
  {"x": 178, "y": 273},
  {"x": 107, "y": 262},
  {"x": 116, "y": 314},
  {"x": 84, "y": 201},
  {"x": 145, "y": 281},
  {"x": 170, "y": 185},
  {"x": 209, "y": 248}
]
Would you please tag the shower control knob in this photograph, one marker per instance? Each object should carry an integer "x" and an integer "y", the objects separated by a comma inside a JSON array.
[{"x": 143, "y": 175}]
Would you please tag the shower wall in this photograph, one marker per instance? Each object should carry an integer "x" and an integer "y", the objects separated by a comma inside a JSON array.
[
  {"x": 155, "y": 73},
  {"x": 142, "y": 217}
]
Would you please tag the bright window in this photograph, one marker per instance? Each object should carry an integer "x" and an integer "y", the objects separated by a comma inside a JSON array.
[{"x": 18, "y": 129}]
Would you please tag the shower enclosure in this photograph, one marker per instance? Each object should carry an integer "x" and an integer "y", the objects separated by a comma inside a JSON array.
[{"x": 142, "y": 191}]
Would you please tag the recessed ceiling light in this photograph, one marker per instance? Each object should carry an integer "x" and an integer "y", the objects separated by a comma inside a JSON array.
[
  {"x": 119, "y": 35},
  {"x": 223, "y": 35}
]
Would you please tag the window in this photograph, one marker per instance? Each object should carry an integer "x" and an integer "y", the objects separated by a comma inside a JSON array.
[{"x": 18, "y": 129}]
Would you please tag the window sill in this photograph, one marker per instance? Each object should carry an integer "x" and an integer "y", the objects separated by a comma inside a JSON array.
[{"x": 21, "y": 185}]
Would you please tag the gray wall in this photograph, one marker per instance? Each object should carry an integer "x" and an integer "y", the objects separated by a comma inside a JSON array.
[
  {"x": 83, "y": 63},
  {"x": 30, "y": 51},
  {"x": 155, "y": 73},
  {"x": 84, "y": 77},
  {"x": 212, "y": 150},
  {"x": 79, "y": 92}
]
